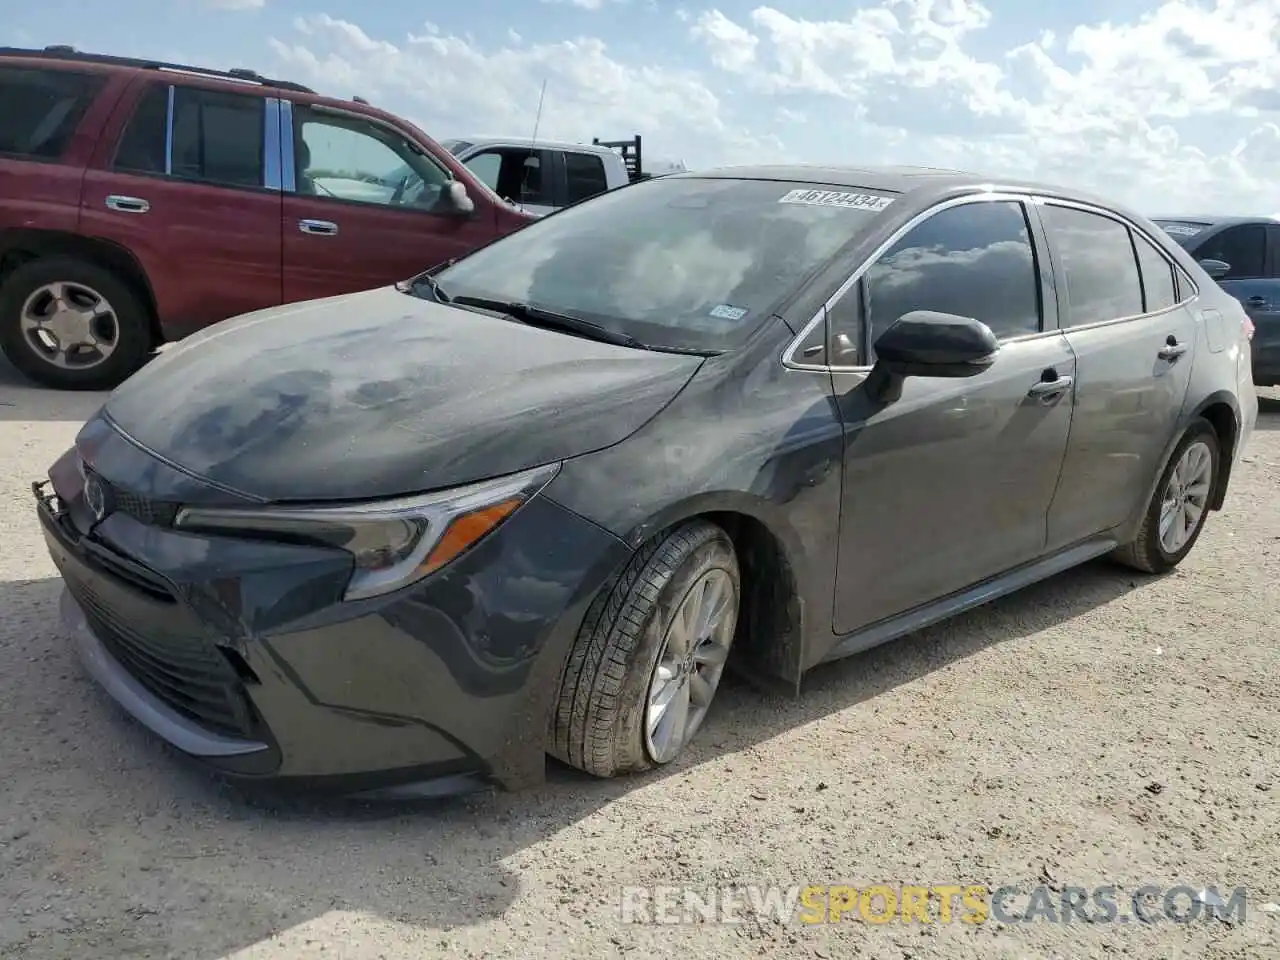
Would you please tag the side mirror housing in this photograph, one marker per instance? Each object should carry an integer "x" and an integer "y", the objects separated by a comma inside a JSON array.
[
  {"x": 926, "y": 343},
  {"x": 459, "y": 199},
  {"x": 1216, "y": 269}
]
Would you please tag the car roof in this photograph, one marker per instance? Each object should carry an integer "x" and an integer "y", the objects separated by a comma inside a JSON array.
[
  {"x": 487, "y": 141},
  {"x": 1212, "y": 220},
  {"x": 900, "y": 179}
]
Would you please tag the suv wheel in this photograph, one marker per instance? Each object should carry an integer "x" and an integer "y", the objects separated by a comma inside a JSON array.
[
  {"x": 650, "y": 655},
  {"x": 71, "y": 324},
  {"x": 1180, "y": 505}
]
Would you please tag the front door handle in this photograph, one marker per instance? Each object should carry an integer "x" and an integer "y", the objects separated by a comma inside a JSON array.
[
  {"x": 127, "y": 204},
  {"x": 318, "y": 228},
  {"x": 1050, "y": 386},
  {"x": 1172, "y": 349}
]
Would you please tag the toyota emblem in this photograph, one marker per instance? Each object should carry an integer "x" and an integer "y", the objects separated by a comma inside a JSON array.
[{"x": 95, "y": 497}]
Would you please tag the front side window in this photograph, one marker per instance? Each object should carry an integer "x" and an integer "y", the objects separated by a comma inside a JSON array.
[
  {"x": 1159, "y": 289},
  {"x": 40, "y": 110},
  {"x": 973, "y": 260},
  {"x": 678, "y": 262},
  {"x": 584, "y": 173},
  {"x": 349, "y": 158},
  {"x": 1244, "y": 248},
  {"x": 517, "y": 174},
  {"x": 1098, "y": 260}
]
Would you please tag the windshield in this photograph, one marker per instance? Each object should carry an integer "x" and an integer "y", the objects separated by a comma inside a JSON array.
[
  {"x": 1181, "y": 230},
  {"x": 678, "y": 263}
]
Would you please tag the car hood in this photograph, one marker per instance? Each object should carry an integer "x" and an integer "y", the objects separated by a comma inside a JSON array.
[{"x": 381, "y": 394}]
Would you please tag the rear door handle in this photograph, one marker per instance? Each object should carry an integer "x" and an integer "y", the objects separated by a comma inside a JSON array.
[
  {"x": 1257, "y": 301},
  {"x": 1048, "y": 389},
  {"x": 127, "y": 204},
  {"x": 318, "y": 228},
  {"x": 1172, "y": 350}
]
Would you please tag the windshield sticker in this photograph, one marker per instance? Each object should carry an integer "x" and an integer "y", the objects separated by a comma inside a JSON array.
[
  {"x": 836, "y": 198},
  {"x": 1181, "y": 230},
  {"x": 725, "y": 311}
]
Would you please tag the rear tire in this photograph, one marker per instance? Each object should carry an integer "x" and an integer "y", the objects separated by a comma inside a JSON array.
[
  {"x": 629, "y": 650},
  {"x": 123, "y": 327},
  {"x": 1149, "y": 551}
]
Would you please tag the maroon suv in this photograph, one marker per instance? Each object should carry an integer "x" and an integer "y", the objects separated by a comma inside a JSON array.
[{"x": 141, "y": 201}]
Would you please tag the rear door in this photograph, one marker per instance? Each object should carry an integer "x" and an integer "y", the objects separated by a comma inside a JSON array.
[
  {"x": 1133, "y": 332},
  {"x": 364, "y": 205},
  {"x": 185, "y": 189}
]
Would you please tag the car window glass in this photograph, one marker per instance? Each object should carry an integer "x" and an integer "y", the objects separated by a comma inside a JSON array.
[
  {"x": 686, "y": 263},
  {"x": 40, "y": 109},
  {"x": 1101, "y": 271},
  {"x": 973, "y": 260},
  {"x": 217, "y": 137},
  {"x": 486, "y": 166},
  {"x": 585, "y": 175},
  {"x": 1242, "y": 247},
  {"x": 1158, "y": 286},
  {"x": 142, "y": 145},
  {"x": 349, "y": 158},
  {"x": 515, "y": 173}
]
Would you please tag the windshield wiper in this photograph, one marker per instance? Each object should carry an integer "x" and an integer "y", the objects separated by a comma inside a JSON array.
[{"x": 538, "y": 317}]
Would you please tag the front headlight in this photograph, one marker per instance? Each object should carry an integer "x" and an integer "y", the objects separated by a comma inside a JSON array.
[{"x": 393, "y": 542}]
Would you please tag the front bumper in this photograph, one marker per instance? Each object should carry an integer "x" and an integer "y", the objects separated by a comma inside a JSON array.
[{"x": 221, "y": 648}]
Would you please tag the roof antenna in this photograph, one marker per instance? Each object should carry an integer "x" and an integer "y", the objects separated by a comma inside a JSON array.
[{"x": 531, "y": 161}]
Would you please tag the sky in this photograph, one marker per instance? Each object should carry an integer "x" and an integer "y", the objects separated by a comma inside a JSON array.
[{"x": 1169, "y": 107}]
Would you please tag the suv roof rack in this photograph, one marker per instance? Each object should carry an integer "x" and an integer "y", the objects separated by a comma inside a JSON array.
[
  {"x": 630, "y": 150},
  {"x": 62, "y": 51}
]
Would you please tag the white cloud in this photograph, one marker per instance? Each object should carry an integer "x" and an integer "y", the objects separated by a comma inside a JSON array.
[{"x": 1177, "y": 108}]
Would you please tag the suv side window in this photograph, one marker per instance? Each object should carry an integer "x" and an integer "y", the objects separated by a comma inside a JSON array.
[
  {"x": 1244, "y": 248},
  {"x": 40, "y": 110},
  {"x": 350, "y": 158},
  {"x": 975, "y": 260},
  {"x": 1097, "y": 255},
  {"x": 585, "y": 175},
  {"x": 217, "y": 137},
  {"x": 1159, "y": 290},
  {"x": 515, "y": 173}
]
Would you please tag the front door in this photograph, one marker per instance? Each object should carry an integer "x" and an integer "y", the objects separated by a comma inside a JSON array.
[
  {"x": 1134, "y": 343},
  {"x": 363, "y": 206},
  {"x": 951, "y": 484}
]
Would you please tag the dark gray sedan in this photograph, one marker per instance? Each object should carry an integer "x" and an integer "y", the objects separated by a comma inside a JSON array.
[{"x": 538, "y": 499}]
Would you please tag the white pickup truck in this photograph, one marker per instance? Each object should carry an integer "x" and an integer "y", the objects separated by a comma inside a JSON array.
[{"x": 542, "y": 176}]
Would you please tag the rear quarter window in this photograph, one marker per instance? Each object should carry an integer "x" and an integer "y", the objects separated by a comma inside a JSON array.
[{"x": 41, "y": 109}]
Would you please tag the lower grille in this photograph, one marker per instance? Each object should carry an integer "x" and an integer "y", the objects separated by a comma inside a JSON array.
[{"x": 187, "y": 673}]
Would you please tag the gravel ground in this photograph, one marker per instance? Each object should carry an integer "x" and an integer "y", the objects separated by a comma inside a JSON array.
[{"x": 1100, "y": 728}]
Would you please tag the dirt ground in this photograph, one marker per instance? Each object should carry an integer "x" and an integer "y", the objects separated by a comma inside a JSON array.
[{"x": 1100, "y": 728}]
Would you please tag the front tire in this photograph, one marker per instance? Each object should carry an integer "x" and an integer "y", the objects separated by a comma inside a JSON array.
[
  {"x": 70, "y": 324},
  {"x": 1180, "y": 505},
  {"x": 649, "y": 655}
]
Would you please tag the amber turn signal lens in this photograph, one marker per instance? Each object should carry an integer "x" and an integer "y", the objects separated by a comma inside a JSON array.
[{"x": 465, "y": 531}]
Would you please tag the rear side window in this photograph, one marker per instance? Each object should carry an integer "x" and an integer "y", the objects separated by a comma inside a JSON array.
[
  {"x": 585, "y": 175},
  {"x": 1098, "y": 259},
  {"x": 974, "y": 260},
  {"x": 40, "y": 110},
  {"x": 217, "y": 137},
  {"x": 1244, "y": 248},
  {"x": 1158, "y": 287}
]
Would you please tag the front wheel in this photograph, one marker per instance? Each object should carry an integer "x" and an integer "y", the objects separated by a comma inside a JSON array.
[
  {"x": 650, "y": 654},
  {"x": 1180, "y": 505}
]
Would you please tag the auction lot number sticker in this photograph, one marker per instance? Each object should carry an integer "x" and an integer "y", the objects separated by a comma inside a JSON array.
[{"x": 836, "y": 198}]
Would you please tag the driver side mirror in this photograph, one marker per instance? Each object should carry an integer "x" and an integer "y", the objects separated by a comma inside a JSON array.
[
  {"x": 926, "y": 343},
  {"x": 459, "y": 199},
  {"x": 1216, "y": 269}
]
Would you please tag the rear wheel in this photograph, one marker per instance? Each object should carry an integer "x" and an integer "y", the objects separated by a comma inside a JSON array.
[
  {"x": 1180, "y": 505},
  {"x": 71, "y": 324},
  {"x": 650, "y": 654}
]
